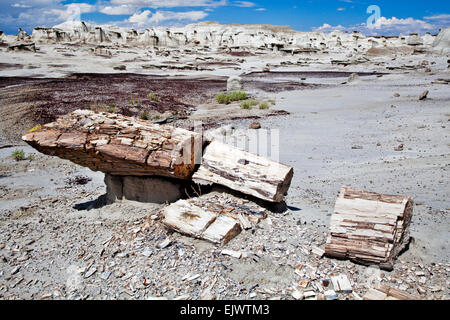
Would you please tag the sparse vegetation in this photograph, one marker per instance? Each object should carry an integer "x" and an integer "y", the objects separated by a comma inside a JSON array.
[
  {"x": 18, "y": 155},
  {"x": 38, "y": 127},
  {"x": 225, "y": 98},
  {"x": 246, "y": 105},
  {"x": 134, "y": 102},
  {"x": 263, "y": 105},
  {"x": 153, "y": 97},
  {"x": 111, "y": 108},
  {"x": 156, "y": 117},
  {"x": 144, "y": 115},
  {"x": 272, "y": 102}
]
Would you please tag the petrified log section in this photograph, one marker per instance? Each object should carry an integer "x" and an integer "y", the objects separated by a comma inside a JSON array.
[
  {"x": 245, "y": 172},
  {"x": 383, "y": 292},
  {"x": 119, "y": 145},
  {"x": 214, "y": 217},
  {"x": 369, "y": 228}
]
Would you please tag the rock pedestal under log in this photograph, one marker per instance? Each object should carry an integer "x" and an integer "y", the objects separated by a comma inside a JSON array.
[
  {"x": 143, "y": 189},
  {"x": 369, "y": 228},
  {"x": 119, "y": 145}
]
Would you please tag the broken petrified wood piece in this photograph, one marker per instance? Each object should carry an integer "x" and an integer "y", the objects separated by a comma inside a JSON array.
[
  {"x": 215, "y": 217},
  {"x": 369, "y": 228},
  {"x": 119, "y": 145},
  {"x": 244, "y": 172},
  {"x": 383, "y": 292}
]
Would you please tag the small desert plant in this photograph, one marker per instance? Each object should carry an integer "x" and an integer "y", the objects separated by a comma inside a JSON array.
[
  {"x": 272, "y": 102},
  {"x": 238, "y": 96},
  {"x": 144, "y": 115},
  {"x": 35, "y": 128},
  {"x": 111, "y": 108},
  {"x": 225, "y": 98},
  {"x": 246, "y": 105},
  {"x": 156, "y": 117},
  {"x": 264, "y": 105},
  {"x": 153, "y": 97},
  {"x": 222, "y": 98},
  {"x": 18, "y": 155}
]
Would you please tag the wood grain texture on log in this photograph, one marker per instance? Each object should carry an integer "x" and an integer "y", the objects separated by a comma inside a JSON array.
[
  {"x": 214, "y": 217},
  {"x": 369, "y": 228},
  {"x": 383, "y": 292},
  {"x": 244, "y": 172},
  {"x": 119, "y": 145}
]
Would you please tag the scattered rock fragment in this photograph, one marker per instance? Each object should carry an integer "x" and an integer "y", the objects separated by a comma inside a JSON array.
[
  {"x": 234, "y": 83},
  {"x": 341, "y": 284},
  {"x": 383, "y": 292},
  {"x": 120, "y": 68},
  {"x": 232, "y": 253},
  {"x": 164, "y": 244},
  {"x": 399, "y": 147},
  {"x": 424, "y": 95},
  {"x": 255, "y": 125}
]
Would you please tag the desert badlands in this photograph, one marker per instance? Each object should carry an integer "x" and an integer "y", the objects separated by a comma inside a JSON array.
[{"x": 94, "y": 205}]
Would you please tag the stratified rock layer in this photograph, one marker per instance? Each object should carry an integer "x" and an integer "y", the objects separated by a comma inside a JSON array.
[{"x": 119, "y": 145}]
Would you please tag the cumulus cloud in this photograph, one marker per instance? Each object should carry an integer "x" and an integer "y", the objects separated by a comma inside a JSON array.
[
  {"x": 387, "y": 26},
  {"x": 146, "y": 18},
  {"x": 244, "y": 4},
  {"x": 170, "y": 3},
  {"x": 118, "y": 10}
]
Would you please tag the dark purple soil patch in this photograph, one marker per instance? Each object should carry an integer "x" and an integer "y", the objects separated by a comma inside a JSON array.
[
  {"x": 306, "y": 74},
  {"x": 8, "y": 66},
  {"x": 275, "y": 87},
  {"x": 240, "y": 53}
]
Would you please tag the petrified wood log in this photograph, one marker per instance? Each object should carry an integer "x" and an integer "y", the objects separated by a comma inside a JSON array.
[
  {"x": 119, "y": 145},
  {"x": 245, "y": 172},
  {"x": 369, "y": 228}
]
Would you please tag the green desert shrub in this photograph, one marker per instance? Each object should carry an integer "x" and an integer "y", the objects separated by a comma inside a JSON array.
[
  {"x": 246, "y": 105},
  {"x": 111, "y": 108},
  {"x": 144, "y": 115},
  {"x": 226, "y": 98},
  {"x": 153, "y": 97},
  {"x": 18, "y": 155},
  {"x": 264, "y": 105},
  {"x": 272, "y": 102},
  {"x": 222, "y": 98}
]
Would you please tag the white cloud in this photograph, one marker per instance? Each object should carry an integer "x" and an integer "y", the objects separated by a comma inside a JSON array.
[
  {"x": 440, "y": 17},
  {"x": 146, "y": 18},
  {"x": 170, "y": 3},
  {"x": 20, "y": 5},
  {"x": 388, "y": 26},
  {"x": 244, "y": 4},
  {"x": 118, "y": 10},
  {"x": 261, "y": 9}
]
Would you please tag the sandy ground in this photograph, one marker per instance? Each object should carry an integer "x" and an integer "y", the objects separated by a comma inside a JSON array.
[{"x": 58, "y": 241}]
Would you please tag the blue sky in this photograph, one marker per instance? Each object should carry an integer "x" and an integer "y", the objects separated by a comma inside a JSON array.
[{"x": 303, "y": 15}]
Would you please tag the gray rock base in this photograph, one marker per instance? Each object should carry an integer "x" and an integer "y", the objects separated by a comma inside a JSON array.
[{"x": 142, "y": 189}]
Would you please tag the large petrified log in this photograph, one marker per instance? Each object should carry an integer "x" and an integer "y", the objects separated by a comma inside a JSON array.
[
  {"x": 119, "y": 145},
  {"x": 369, "y": 228},
  {"x": 245, "y": 172}
]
